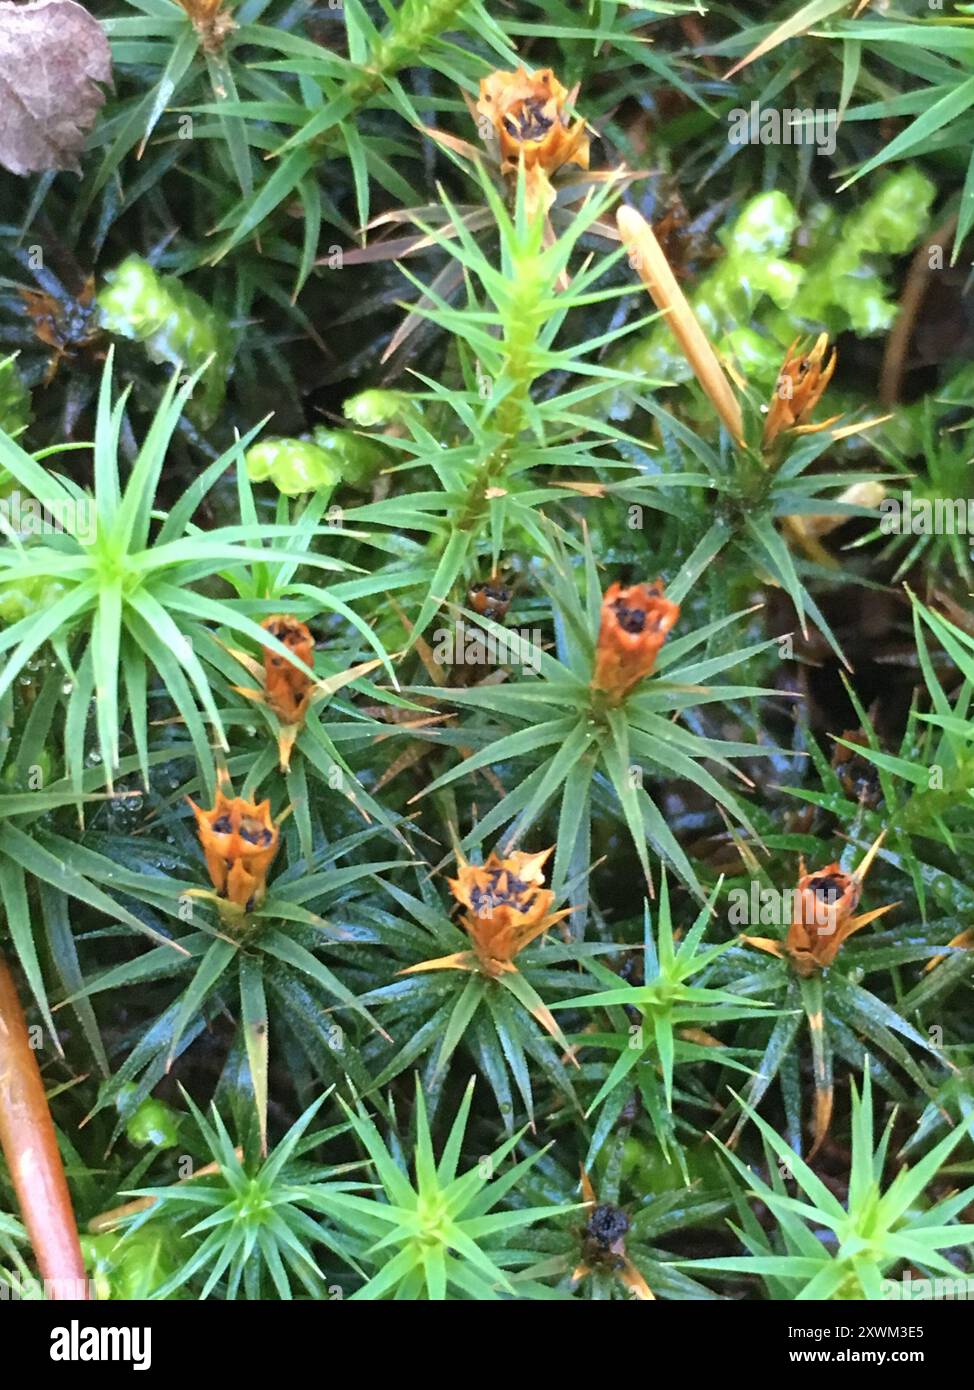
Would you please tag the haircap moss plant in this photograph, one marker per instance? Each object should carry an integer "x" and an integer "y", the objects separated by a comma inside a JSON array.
[{"x": 485, "y": 567}]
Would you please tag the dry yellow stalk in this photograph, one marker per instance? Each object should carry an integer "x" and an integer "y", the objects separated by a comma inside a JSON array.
[{"x": 647, "y": 258}]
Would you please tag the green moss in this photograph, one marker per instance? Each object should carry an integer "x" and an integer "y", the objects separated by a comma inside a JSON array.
[
  {"x": 768, "y": 287},
  {"x": 317, "y": 462},
  {"x": 174, "y": 324}
]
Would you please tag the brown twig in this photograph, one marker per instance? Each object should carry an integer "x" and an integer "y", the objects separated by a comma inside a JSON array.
[
  {"x": 108, "y": 1220},
  {"x": 693, "y": 30},
  {"x": 30, "y": 1147},
  {"x": 917, "y": 280}
]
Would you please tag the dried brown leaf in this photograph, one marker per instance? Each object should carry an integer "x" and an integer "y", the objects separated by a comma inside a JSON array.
[{"x": 52, "y": 55}]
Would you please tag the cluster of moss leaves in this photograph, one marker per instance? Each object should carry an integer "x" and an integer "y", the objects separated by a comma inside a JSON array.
[{"x": 221, "y": 366}]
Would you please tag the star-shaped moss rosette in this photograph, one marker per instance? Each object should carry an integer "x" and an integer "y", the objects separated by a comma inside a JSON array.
[
  {"x": 505, "y": 908},
  {"x": 527, "y": 117},
  {"x": 765, "y": 487},
  {"x": 634, "y": 624},
  {"x": 240, "y": 840},
  {"x": 616, "y": 1247},
  {"x": 610, "y": 702},
  {"x": 802, "y": 382},
  {"x": 289, "y": 688},
  {"x": 872, "y": 1227},
  {"x": 823, "y": 915},
  {"x": 528, "y": 132},
  {"x": 823, "y": 918},
  {"x": 431, "y": 1231},
  {"x": 651, "y": 1021},
  {"x": 479, "y": 982},
  {"x": 813, "y": 982},
  {"x": 604, "y": 1245},
  {"x": 264, "y": 947}
]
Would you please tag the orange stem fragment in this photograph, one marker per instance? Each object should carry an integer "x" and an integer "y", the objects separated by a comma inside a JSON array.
[{"x": 30, "y": 1147}]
